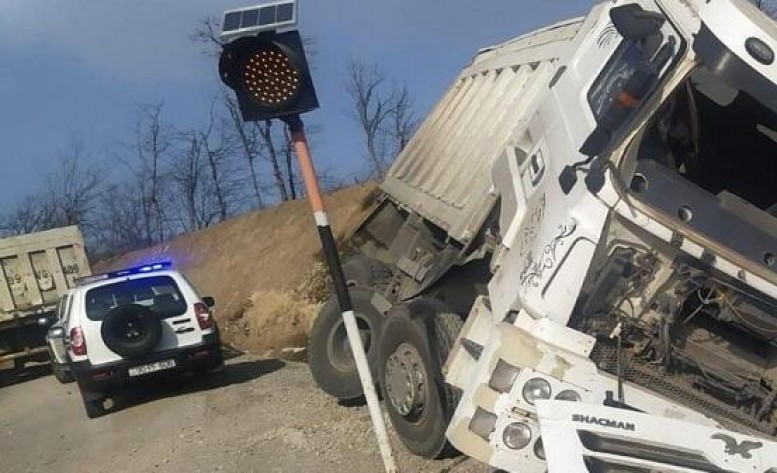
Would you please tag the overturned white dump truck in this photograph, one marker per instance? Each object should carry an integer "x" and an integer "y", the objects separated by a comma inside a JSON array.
[
  {"x": 36, "y": 269},
  {"x": 574, "y": 262}
]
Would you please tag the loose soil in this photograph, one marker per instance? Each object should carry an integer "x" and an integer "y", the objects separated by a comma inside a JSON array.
[{"x": 264, "y": 269}]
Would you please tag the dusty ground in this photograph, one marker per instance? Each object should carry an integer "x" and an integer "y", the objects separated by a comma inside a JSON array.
[
  {"x": 260, "y": 416},
  {"x": 263, "y": 268}
]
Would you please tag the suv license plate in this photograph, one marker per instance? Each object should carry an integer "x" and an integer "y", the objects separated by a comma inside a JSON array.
[{"x": 152, "y": 367}]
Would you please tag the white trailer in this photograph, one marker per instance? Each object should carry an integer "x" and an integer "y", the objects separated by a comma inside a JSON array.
[
  {"x": 37, "y": 269},
  {"x": 588, "y": 218}
]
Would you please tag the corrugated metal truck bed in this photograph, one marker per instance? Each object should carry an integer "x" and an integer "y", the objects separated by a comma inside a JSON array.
[{"x": 444, "y": 173}]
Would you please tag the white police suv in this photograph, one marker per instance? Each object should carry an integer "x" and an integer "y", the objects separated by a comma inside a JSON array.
[{"x": 135, "y": 324}]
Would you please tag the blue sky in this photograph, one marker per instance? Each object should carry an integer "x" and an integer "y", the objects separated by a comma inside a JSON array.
[{"x": 77, "y": 68}]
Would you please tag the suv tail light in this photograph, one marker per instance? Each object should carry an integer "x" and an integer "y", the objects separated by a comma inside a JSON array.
[
  {"x": 77, "y": 341},
  {"x": 204, "y": 317}
]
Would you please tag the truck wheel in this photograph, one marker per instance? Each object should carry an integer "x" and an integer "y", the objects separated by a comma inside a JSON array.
[
  {"x": 362, "y": 271},
  {"x": 414, "y": 345},
  {"x": 330, "y": 358},
  {"x": 131, "y": 330},
  {"x": 93, "y": 402}
]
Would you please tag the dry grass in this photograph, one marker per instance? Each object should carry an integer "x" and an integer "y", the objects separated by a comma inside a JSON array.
[{"x": 263, "y": 268}]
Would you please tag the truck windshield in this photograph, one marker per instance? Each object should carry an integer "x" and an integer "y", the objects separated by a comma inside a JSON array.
[{"x": 158, "y": 293}]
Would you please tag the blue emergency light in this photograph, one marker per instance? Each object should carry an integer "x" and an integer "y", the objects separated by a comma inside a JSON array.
[{"x": 148, "y": 268}]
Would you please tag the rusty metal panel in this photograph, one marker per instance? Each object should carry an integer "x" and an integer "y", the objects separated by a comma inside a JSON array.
[
  {"x": 444, "y": 173},
  {"x": 36, "y": 269}
]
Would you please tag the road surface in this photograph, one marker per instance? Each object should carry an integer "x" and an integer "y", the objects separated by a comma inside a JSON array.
[{"x": 259, "y": 416}]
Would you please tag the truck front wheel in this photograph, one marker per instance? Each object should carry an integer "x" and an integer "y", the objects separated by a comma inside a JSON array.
[
  {"x": 415, "y": 342},
  {"x": 330, "y": 358}
]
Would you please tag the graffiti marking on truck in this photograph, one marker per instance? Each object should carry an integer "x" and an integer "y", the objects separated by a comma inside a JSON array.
[
  {"x": 535, "y": 269},
  {"x": 609, "y": 34},
  {"x": 529, "y": 233}
]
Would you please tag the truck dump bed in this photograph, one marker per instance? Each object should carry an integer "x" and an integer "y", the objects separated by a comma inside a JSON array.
[
  {"x": 444, "y": 173},
  {"x": 38, "y": 268}
]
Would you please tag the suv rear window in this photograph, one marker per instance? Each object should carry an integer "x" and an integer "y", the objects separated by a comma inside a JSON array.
[{"x": 158, "y": 293}]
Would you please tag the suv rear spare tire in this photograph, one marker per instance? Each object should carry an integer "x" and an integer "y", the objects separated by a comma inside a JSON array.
[{"x": 131, "y": 330}]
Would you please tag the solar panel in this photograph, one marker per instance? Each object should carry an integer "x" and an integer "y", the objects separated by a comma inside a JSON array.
[
  {"x": 231, "y": 21},
  {"x": 265, "y": 17},
  {"x": 250, "y": 18},
  {"x": 285, "y": 12}
]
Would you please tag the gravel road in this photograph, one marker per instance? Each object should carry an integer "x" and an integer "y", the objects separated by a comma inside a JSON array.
[{"x": 259, "y": 416}]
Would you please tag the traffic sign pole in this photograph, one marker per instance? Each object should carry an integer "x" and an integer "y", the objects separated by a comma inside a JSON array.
[{"x": 341, "y": 289}]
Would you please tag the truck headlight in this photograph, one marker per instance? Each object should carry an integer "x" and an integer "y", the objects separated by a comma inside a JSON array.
[
  {"x": 539, "y": 449},
  {"x": 503, "y": 377},
  {"x": 517, "y": 435},
  {"x": 536, "y": 388},
  {"x": 483, "y": 423},
  {"x": 568, "y": 395}
]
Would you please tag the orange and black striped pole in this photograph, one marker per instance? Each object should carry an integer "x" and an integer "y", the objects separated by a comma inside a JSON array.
[{"x": 332, "y": 257}]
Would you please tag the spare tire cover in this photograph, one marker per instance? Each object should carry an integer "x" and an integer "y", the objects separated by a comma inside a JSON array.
[{"x": 131, "y": 330}]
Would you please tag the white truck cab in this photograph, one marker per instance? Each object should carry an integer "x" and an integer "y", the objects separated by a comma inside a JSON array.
[
  {"x": 639, "y": 274},
  {"x": 578, "y": 243},
  {"x": 134, "y": 324}
]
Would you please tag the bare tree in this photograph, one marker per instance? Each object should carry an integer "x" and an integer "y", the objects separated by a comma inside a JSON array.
[
  {"x": 384, "y": 116},
  {"x": 269, "y": 151},
  {"x": 120, "y": 227},
  {"x": 146, "y": 159},
  {"x": 247, "y": 143},
  {"x": 206, "y": 34},
  {"x": 30, "y": 214},
  {"x": 215, "y": 155},
  {"x": 187, "y": 179},
  {"x": 288, "y": 155},
  {"x": 70, "y": 195},
  {"x": 74, "y": 188}
]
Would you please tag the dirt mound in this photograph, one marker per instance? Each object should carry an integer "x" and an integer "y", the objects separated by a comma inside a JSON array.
[{"x": 263, "y": 268}]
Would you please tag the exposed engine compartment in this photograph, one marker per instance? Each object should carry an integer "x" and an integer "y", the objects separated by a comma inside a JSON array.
[{"x": 665, "y": 321}]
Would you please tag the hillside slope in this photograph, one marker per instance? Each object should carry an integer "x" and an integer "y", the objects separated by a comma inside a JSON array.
[{"x": 263, "y": 268}]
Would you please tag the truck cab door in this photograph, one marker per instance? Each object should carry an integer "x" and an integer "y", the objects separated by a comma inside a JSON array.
[{"x": 626, "y": 49}]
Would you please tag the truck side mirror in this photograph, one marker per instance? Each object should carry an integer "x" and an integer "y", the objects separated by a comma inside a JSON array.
[
  {"x": 634, "y": 23},
  {"x": 209, "y": 301}
]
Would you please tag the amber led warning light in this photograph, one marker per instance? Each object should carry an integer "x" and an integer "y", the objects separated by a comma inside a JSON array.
[{"x": 266, "y": 68}]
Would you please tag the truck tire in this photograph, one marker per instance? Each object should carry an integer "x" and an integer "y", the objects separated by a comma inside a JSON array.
[
  {"x": 415, "y": 343},
  {"x": 363, "y": 271},
  {"x": 93, "y": 402},
  {"x": 131, "y": 330},
  {"x": 329, "y": 353}
]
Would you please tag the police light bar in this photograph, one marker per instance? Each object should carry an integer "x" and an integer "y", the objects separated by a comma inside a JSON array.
[
  {"x": 148, "y": 268},
  {"x": 248, "y": 21}
]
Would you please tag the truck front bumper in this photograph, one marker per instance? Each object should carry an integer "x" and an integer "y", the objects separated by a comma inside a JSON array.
[
  {"x": 579, "y": 438},
  {"x": 492, "y": 363},
  {"x": 102, "y": 378}
]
